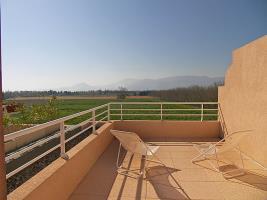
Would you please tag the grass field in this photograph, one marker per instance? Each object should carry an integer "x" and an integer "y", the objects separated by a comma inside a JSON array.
[{"x": 70, "y": 106}]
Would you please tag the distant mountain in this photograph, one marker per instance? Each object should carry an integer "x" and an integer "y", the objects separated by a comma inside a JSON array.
[
  {"x": 151, "y": 84},
  {"x": 77, "y": 87},
  {"x": 166, "y": 83}
]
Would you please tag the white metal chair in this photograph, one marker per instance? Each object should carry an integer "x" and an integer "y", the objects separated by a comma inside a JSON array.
[
  {"x": 132, "y": 143},
  {"x": 228, "y": 143}
]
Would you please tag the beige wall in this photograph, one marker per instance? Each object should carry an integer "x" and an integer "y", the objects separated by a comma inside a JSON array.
[
  {"x": 243, "y": 99},
  {"x": 58, "y": 180},
  {"x": 171, "y": 129}
]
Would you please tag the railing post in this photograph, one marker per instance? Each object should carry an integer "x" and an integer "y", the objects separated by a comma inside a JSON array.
[
  {"x": 108, "y": 112},
  {"x": 218, "y": 113},
  {"x": 202, "y": 111},
  {"x": 161, "y": 111},
  {"x": 121, "y": 112},
  {"x": 62, "y": 140},
  {"x": 93, "y": 116}
]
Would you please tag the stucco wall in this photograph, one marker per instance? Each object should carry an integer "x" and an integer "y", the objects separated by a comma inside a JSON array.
[
  {"x": 168, "y": 130},
  {"x": 58, "y": 180},
  {"x": 243, "y": 98}
]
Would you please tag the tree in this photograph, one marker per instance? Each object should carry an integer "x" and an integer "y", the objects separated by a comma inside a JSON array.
[{"x": 122, "y": 93}]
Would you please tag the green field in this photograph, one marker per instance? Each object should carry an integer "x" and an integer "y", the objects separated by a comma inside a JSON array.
[
  {"x": 68, "y": 107},
  {"x": 71, "y": 106}
]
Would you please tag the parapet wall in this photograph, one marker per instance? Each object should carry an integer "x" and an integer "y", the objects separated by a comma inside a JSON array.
[
  {"x": 59, "y": 179},
  {"x": 243, "y": 98},
  {"x": 172, "y": 130}
]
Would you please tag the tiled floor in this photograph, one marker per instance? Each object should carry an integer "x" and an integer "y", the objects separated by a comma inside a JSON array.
[{"x": 180, "y": 179}]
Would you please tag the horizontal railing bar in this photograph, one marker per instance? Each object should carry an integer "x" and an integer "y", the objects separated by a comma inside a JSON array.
[
  {"x": 189, "y": 114},
  {"x": 101, "y": 113},
  {"x": 31, "y": 161},
  {"x": 158, "y": 109},
  {"x": 145, "y": 114},
  {"x": 26, "y": 131},
  {"x": 135, "y": 114},
  {"x": 135, "y": 109},
  {"x": 29, "y": 148},
  {"x": 163, "y": 103},
  {"x": 79, "y": 133},
  {"x": 78, "y": 125}
]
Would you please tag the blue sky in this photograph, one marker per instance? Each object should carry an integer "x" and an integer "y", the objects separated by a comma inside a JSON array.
[{"x": 54, "y": 43}]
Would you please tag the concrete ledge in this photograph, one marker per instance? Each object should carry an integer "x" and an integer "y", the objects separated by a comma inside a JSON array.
[
  {"x": 193, "y": 130},
  {"x": 58, "y": 180}
]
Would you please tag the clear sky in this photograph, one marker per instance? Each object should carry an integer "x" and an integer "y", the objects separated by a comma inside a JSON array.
[{"x": 54, "y": 43}]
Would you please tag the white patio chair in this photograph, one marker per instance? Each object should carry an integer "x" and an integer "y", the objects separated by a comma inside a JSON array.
[
  {"x": 228, "y": 143},
  {"x": 132, "y": 143}
]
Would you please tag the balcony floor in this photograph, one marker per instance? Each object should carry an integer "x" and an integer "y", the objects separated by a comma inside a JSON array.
[{"x": 179, "y": 180}]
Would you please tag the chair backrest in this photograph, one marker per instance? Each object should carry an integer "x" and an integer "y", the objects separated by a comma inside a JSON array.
[
  {"x": 130, "y": 141},
  {"x": 234, "y": 139}
]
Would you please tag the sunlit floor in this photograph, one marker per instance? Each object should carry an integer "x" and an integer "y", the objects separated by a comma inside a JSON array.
[{"x": 180, "y": 179}]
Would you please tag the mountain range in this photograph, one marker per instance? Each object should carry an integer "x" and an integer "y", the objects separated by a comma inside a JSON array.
[{"x": 149, "y": 84}]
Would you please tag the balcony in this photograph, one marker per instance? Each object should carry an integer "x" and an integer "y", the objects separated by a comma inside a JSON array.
[
  {"x": 180, "y": 180},
  {"x": 88, "y": 170}
]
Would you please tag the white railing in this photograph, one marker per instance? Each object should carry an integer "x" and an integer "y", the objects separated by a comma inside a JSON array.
[
  {"x": 112, "y": 111},
  {"x": 164, "y": 109},
  {"x": 61, "y": 134}
]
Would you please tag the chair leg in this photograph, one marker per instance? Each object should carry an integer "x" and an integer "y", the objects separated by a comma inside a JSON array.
[
  {"x": 125, "y": 172},
  {"x": 197, "y": 158},
  {"x": 241, "y": 157},
  {"x": 118, "y": 157},
  {"x": 203, "y": 155},
  {"x": 144, "y": 167}
]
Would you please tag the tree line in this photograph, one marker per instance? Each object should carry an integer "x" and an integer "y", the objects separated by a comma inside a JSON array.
[
  {"x": 182, "y": 94},
  {"x": 13, "y": 94},
  {"x": 189, "y": 94}
]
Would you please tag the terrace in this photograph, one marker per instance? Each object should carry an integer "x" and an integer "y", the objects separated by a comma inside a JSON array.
[{"x": 87, "y": 170}]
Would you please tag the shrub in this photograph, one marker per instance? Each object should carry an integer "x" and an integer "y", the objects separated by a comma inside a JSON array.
[{"x": 38, "y": 113}]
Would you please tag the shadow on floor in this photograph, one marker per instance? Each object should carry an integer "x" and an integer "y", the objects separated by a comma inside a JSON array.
[
  {"x": 253, "y": 179},
  {"x": 160, "y": 177},
  {"x": 100, "y": 180}
]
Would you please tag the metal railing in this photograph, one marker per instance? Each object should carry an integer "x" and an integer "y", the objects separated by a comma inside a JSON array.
[
  {"x": 104, "y": 113},
  {"x": 163, "y": 110},
  {"x": 93, "y": 120}
]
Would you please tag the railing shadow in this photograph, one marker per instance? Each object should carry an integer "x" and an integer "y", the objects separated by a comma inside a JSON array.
[{"x": 124, "y": 179}]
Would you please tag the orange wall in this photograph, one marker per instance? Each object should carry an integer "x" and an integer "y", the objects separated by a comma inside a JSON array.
[
  {"x": 171, "y": 129},
  {"x": 243, "y": 98},
  {"x": 58, "y": 180}
]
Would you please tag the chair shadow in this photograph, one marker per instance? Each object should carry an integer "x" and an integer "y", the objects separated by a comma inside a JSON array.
[
  {"x": 248, "y": 177},
  {"x": 158, "y": 176},
  {"x": 204, "y": 163}
]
